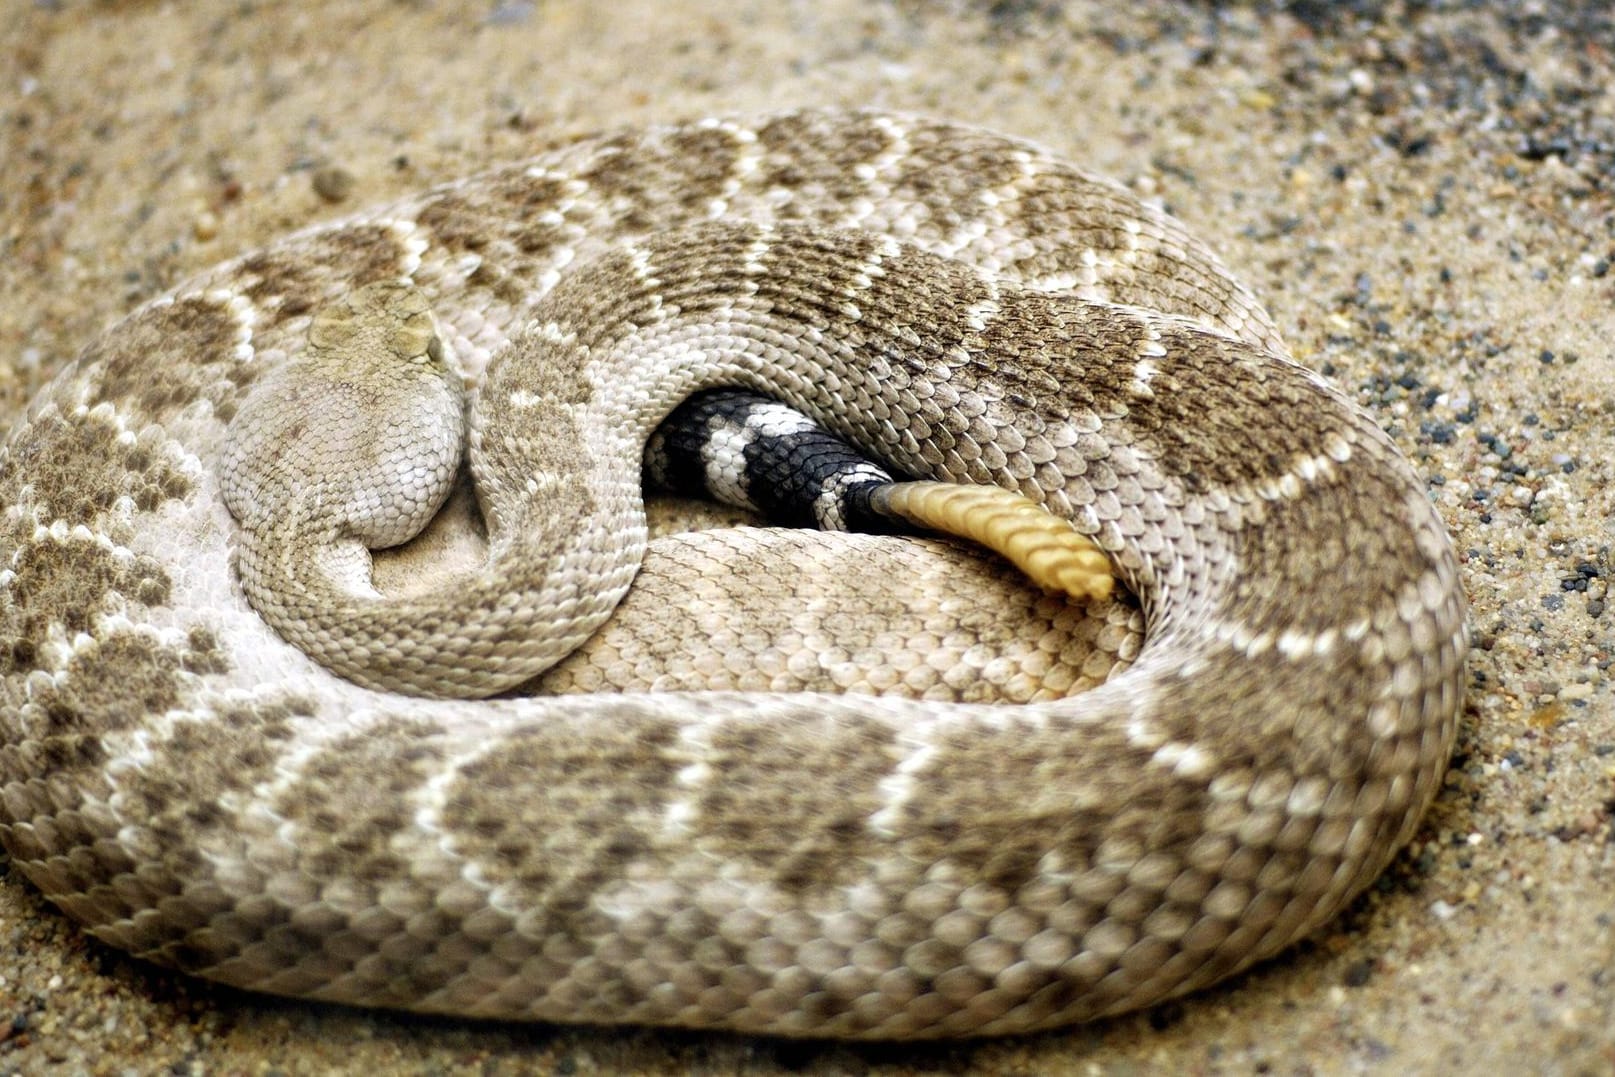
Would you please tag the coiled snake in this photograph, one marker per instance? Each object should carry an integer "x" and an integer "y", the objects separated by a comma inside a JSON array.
[{"x": 189, "y": 785}]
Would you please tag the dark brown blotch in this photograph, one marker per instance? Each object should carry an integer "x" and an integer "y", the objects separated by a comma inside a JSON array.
[
  {"x": 75, "y": 468},
  {"x": 180, "y": 800},
  {"x": 560, "y": 808},
  {"x": 296, "y": 278},
  {"x": 113, "y": 684},
  {"x": 994, "y": 803},
  {"x": 358, "y": 794},
  {"x": 946, "y": 169},
  {"x": 232, "y": 750},
  {"x": 808, "y": 152},
  {"x": 503, "y": 207},
  {"x": 755, "y": 809},
  {"x": 617, "y": 171},
  {"x": 132, "y": 373},
  {"x": 706, "y": 159},
  {"x": 68, "y": 584},
  {"x": 78, "y": 467},
  {"x": 654, "y": 183}
]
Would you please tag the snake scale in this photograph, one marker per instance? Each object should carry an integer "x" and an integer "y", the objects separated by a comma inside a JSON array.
[{"x": 194, "y": 789}]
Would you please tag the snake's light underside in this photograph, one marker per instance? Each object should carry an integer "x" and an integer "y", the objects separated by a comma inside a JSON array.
[{"x": 977, "y": 851}]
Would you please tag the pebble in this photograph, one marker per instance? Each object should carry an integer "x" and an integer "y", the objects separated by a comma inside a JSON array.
[{"x": 332, "y": 184}]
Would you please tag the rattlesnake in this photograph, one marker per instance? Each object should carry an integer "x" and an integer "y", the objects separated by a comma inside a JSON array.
[{"x": 963, "y": 307}]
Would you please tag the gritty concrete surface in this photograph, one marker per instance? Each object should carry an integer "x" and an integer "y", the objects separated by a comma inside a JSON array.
[{"x": 1422, "y": 191}]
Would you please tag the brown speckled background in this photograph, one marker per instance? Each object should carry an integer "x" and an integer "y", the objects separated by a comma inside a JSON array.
[{"x": 1421, "y": 190}]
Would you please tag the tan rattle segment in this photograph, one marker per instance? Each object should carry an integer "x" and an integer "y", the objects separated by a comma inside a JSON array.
[{"x": 1051, "y": 552}]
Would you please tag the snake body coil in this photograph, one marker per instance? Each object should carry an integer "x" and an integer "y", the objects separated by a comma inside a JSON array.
[{"x": 193, "y": 788}]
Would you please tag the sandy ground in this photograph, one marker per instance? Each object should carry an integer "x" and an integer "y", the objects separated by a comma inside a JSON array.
[{"x": 1423, "y": 195}]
